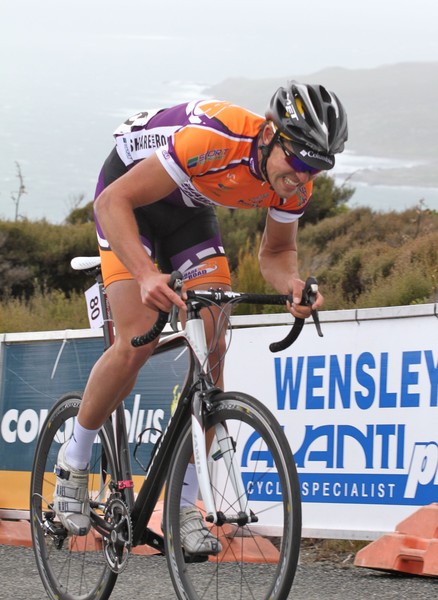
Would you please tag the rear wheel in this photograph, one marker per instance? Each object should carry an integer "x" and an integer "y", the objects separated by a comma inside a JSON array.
[
  {"x": 258, "y": 559},
  {"x": 71, "y": 567}
]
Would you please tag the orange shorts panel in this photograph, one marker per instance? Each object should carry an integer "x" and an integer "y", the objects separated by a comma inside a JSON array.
[
  {"x": 112, "y": 268},
  {"x": 213, "y": 270}
]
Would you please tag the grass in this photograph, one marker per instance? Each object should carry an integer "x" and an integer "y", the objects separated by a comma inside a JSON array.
[{"x": 341, "y": 552}]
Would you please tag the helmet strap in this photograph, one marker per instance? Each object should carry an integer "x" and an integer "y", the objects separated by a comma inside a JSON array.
[{"x": 266, "y": 150}]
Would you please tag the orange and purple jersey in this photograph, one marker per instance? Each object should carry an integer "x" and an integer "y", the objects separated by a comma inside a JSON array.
[{"x": 210, "y": 149}]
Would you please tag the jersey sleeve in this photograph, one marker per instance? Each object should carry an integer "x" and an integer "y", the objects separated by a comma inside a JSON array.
[{"x": 291, "y": 209}]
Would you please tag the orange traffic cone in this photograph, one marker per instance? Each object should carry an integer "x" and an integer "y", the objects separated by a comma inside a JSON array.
[
  {"x": 413, "y": 548},
  {"x": 15, "y": 533}
]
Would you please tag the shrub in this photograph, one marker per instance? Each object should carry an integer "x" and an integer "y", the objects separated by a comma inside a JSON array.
[{"x": 43, "y": 312}]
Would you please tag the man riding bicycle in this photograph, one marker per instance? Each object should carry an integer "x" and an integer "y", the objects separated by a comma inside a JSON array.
[{"x": 154, "y": 212}]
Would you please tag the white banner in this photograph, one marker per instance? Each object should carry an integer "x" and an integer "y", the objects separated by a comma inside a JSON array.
[{"x": 359, "y": 408}]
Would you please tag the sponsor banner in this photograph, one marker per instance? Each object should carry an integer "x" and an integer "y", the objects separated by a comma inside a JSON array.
[
  {"x": 360, "y": 410},
  {"x": 35, "y": 374},
  {"x": 358, "y": 406}
]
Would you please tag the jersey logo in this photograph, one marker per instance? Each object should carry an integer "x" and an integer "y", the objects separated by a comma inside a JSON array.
[
  {"x": 199, "y": 271},
  {"x": 207, "y": 157},
  {"x": 302, "y": 195},
  {"x": 254, "y": 202}
]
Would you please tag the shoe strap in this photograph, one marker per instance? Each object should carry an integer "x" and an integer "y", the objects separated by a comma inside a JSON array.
[{"x": 61, "y": 473}]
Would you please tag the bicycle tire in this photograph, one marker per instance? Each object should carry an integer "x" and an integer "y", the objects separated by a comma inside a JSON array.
[
  {"x": 273, "y": 542},
  {"x": 73, "y": 568}
]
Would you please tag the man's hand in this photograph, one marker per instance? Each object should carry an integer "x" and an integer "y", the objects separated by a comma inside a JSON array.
[
  {"x": 296, "y": 308},
  {"x": 157, "y": 295}
]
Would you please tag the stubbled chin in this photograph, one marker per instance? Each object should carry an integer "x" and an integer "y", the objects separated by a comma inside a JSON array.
[{"x": 289, "y": 186}]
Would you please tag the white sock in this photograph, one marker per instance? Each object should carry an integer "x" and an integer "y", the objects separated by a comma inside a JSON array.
[
  {"x": 190, "y": 490},
  {"x": 78, "y": 452}
]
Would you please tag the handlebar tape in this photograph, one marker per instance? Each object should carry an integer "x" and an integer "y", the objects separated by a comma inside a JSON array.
[
  {"x": 175, "y": 283},
  {"x": 307, "y": 299}
]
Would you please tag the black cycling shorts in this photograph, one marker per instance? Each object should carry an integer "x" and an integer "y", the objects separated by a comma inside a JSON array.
[{"x": 177, "y": 237}]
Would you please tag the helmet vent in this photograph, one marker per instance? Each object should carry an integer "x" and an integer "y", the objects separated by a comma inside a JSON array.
[
  {"x": 332, "y": 124},
  {"x": 325, "y": 94},
  {"x": 316, "y": 103}
]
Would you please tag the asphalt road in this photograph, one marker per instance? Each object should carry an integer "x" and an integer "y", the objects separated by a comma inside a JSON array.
[{"x": 147, "y": 578}]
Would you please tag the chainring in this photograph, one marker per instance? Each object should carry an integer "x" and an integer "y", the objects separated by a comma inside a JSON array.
[{"x": 117, "y": 546}]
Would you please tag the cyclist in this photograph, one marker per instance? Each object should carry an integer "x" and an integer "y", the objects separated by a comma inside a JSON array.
[{"x": 154, "y": 214}]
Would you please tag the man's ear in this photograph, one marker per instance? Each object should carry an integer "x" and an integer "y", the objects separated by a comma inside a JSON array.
[{"x": 267, "y": 133}]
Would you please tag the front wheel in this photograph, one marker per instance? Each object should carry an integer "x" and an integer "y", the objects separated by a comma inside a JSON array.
[
  {"x": 258, "y": 558},
  {"x": 71, "y": 567}
]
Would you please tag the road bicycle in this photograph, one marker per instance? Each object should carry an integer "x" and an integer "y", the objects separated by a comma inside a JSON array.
[{"x": 247, "y": 451}]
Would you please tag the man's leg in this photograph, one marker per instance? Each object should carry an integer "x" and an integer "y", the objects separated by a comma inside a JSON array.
[
  {"x": 114, "y": 374},
  {"x": 111, "y": 379},
  {"x": 196, "y": 537}
]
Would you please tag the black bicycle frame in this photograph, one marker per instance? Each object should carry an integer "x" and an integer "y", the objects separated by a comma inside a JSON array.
[
  {"x": 196, "y": 382},
  {"x": 143, "y": 506}
]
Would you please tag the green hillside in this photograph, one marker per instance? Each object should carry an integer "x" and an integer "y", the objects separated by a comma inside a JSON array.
[{"x": 361, "y": 259}]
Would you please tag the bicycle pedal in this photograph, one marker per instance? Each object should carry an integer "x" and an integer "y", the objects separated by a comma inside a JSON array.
[{"x": 194, "y": 558}]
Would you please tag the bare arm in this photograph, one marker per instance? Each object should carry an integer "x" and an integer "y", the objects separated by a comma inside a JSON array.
[
  {"x": 144, "y": 184},
  {"x": 278, "y": 257}
]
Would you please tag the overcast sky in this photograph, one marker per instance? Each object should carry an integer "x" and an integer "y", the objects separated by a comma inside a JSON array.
[
  {"x": 207, "y": 41},
  {"x": 64, "y": 63}
]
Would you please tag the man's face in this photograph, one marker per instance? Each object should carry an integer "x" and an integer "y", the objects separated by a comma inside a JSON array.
[{"x": 283, "y": 177}]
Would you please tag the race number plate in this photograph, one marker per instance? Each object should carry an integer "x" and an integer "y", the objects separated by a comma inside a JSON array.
[{"x": 94, "y": 306}]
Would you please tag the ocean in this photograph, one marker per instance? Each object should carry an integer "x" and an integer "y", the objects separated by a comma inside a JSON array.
[{"x": 382, "y": 198}]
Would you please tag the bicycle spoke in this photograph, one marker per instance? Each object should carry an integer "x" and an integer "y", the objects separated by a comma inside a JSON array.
[
  {"x": 71, "y": 567},
  {"x": 258, "y": 559}
]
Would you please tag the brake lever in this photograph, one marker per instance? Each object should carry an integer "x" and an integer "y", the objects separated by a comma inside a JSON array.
[
  {"x": 308, "y": 298},
  {"x": 176, "y": 283}
]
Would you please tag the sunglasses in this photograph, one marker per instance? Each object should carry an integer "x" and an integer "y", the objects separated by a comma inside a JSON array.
[{"x": 296, "y": 163}]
